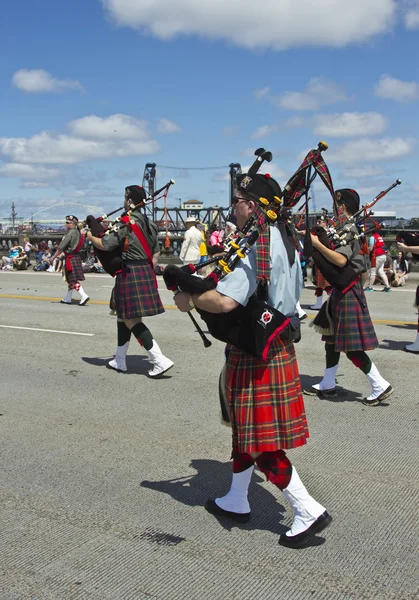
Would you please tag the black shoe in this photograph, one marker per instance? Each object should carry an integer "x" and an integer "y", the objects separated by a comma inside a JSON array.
[
  {"x": 381, "y": 397},
  {"x": 304, "y": 316},
  {"x": 299, "y": 540},
  {"x": 321, "y": 393},
  {"x": 212, "y": 507},
  {"x": 84, "y": 302}
]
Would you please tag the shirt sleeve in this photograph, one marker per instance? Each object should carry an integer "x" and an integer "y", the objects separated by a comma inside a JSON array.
[
  {"x": 66, "y": 241},
  {"x": 156, "y": 246},
  {"x": 240, "y": 284}
]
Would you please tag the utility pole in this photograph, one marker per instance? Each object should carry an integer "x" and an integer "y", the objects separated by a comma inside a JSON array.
[{"x": 13, "y": 216}]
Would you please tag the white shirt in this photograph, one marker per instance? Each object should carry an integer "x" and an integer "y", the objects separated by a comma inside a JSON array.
[{"x": 190, "y": 251}]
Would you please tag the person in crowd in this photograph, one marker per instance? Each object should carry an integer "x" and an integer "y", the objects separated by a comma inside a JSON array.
[
  {"x": 28, "y": 247},
  {"x": 190, "y": 251},
  {"x": 378, "y": 255},
  {"x": 136, "y": 293},
  {"x": 215, "y": 238},
  {"x": 351, "y": 330},
  {"x": 203, "y": 245},
  {"x": 400, "y": 269},
  {"x": 9, "y": 261},
  {"x": 72, "y": 246},
  {"x": 264, "y": 396}
]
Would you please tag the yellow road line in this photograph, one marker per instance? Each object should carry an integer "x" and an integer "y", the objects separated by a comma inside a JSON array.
[{"x": 173, "y": 307}]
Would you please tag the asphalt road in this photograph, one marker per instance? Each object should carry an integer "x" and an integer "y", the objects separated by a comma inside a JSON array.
[{"x": 104, "y": 475}]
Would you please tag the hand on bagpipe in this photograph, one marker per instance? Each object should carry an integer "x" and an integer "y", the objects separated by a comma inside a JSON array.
[
  {"x": 409, "y": 240},
  {"x": 137, "y": 196},
  {"x": 272, "y": 204},
  {"x": 347, "y": 230}
]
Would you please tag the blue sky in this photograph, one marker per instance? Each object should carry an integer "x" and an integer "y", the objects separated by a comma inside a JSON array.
[{"x": 94, "y": 89}]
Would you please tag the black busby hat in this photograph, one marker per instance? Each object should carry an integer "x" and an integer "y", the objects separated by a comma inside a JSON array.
[
  {"x": 350, "y": 198},
  {"x": 136, "y": 194},
  {"x": 259, "y": 186}
]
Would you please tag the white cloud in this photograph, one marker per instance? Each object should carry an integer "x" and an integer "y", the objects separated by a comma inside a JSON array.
[
  {"x": 33, "y": 185},
  {"x": 411, "y": 18},
  {"x": 114, "y": 127},
  {"x": 395, "y": 89},
  {"x": 370, "y": 150},
  {"x": 319, "y": 92},
  {"x": 264, "y": 131},
  {"x": 243, "y": 23},
  {"x": 166, "y": 126},
  {"x": 93, "y": 138},
  {"x": 349, "y": 124},
  {"x": 22, "y": 171},
  {"x": 359, "y": 172},
  {"x": 262, "y": 93},
  {"x": 35, "y": 81}
]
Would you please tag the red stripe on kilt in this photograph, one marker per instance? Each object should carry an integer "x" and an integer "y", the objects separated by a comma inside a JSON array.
[
  {"x": 136, "y": 294},
  {"x": 266, "y": 402},
  {"x": 76, "y": 274}
]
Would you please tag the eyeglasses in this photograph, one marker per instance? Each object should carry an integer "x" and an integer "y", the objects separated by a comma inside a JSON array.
[{"x": 236, "y": 200}]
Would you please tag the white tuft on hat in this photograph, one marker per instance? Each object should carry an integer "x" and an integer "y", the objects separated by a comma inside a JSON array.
[{"x": 190, "y": 220}]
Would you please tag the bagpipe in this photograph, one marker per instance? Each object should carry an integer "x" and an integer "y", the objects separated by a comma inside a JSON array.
[
  {"x": 251, "y": 328},
  {"x": 112, "y": 260},
  {"x": 344, "y": 233}
]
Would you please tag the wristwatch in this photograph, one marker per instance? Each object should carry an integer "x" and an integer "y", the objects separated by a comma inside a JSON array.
[{"x": 191, "y": 302}]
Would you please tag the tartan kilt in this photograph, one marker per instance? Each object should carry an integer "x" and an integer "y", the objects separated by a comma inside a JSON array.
[
  {"x": 136, "y": 294},
  {"x": 321, "y": 282},
  {"x": 351, "y": 321},
  {"x": 77, "y": 273},
  {"x": 265, "y": 399}
]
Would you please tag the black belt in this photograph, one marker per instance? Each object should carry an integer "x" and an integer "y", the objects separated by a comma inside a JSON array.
[{"x": 136, "y": 263}]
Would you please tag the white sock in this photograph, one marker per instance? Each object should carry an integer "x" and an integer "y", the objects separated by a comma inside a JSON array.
[
  {"x": 68, "y": 296},
  {"x": 236, "y": 499},
  {"x": 299, "y": 310},
  {"x": 378, "y": 383},
  {"x": 329, "y": 379}
]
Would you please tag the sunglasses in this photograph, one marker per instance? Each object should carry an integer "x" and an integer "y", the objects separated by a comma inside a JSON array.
[{"x": 236, "y": 199}]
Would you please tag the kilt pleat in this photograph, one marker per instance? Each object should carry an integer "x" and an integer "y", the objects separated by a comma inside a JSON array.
[
  {"x": 352, "y": 322},
  {"x": 136, "y": 294},
  {"x": 265, "y": 398},
  {"x": 321, "y": 282},
  {"x": 77, "y": 273}
]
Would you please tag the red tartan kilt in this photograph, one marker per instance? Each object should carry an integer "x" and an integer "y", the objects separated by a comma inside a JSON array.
[
  {"x": 352, "y": 322},
  {"x": 321, "y": 282},
  {"x": 136, "y": 294},
  {"x": 266, "y": 403},
  {"x": 77, "y": 273}
]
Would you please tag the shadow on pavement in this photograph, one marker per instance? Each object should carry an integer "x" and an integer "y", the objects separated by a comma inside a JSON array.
[
  {"x": 405, "y": 326},
  {"x": 136, "y": 365},
  {"x": 343, "y": 395},
  {"x": 213, "y": 480},
  {"x": 392, "y": 345}
]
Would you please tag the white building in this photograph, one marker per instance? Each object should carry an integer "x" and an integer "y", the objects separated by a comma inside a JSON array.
[{"x": 193, "y": 205}]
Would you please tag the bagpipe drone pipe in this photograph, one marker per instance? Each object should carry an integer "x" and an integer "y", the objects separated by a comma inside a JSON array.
[
  {"x": 112, "y": 260},
  {"x": 252, "y": 328}
]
